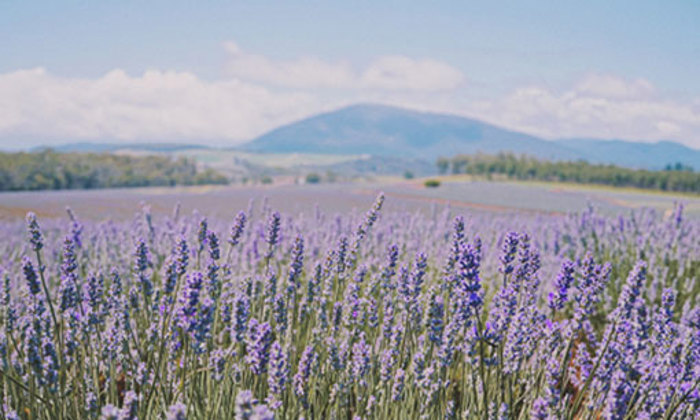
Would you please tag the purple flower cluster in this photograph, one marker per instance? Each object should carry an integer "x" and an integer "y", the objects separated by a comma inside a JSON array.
[{"x": 375, "y": 315}]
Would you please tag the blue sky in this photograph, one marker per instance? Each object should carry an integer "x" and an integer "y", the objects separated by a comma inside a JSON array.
[{"x": 224, "y": 72}]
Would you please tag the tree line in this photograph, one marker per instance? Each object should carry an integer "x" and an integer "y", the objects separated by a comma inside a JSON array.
[
  {"x": 674, "y": 178},
  {"x": 49, "y": 170}
]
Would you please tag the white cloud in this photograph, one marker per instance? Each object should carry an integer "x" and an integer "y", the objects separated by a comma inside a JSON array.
[
  {"x": 398, "y": 72},
  {"x": 158, "y": 105},
  {"x": 391, "y": 73},
  {"x": 599, "y": 106},
  {"x": 609, "y": 86},
  {"x": 42, "y": 108},
  {"x": 305, "y": 72}
]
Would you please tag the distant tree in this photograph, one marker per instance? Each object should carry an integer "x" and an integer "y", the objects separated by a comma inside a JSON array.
[
  {"x": 432, "y": 183},
  {"x": 678, "y": 166},
  {"x": 54, "y": 171},
  {"x": 675, "y": 177},
  {"x": 313, "y": 178},
  {"x": 443, "y": 165},
  {"x": 408, "y": 175}
]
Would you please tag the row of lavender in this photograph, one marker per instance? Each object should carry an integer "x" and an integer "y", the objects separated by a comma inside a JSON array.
[{"x": 352, "y": 316}]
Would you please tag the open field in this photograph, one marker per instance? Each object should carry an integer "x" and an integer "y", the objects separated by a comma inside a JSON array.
[
  {"x": 349, "y": 210},
  {"x": 480, "y": 196},
  {"x": 473, "y": 300}
]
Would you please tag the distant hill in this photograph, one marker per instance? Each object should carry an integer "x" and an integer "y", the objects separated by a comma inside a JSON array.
[
  {"x": 634, "y": 154},
  {"x": 387, "y": 131},
  {"x": 381, "y": 130}
]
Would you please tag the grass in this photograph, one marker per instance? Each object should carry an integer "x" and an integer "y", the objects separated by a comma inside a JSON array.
[{"x": 567, "y": 185}]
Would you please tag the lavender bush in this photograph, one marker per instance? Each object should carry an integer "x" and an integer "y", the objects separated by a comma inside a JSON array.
[{"x": 392, "y": 315}]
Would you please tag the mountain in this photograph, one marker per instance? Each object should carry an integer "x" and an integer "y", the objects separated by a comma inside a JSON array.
[
  {"x": 634, "y": 154},
  {"x": 381, "y": 130},
  {"x": 388, "y": 131}
]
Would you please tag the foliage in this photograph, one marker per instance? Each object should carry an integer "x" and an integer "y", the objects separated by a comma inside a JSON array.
[
  {"x": 313, "y": 178},
  {"x": 675, "y": 178},
  {"x": 382, "y": 316},
  {"x": 678, "y": 166},
  {"x": 432, "y": 183},
  {"x": 48, "y": 170}
]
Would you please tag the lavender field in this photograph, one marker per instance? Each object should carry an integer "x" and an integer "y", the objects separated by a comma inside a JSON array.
[{"x": 388, "y": 312}]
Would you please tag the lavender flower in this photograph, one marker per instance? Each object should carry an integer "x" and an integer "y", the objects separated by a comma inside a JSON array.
[
  {"x": 273, "y": 232},
  {"x": 141, "y": 264},
  {"x": 539, "y": 409},
  {"x": 214, "y": 250},
  {"x": 110, "y": 412},
  {"x": 373, "y": 330},
  {"x": 76, "y": 229},
  {"x": 618, "y": 397},
  {"x": 237, "y": 229},
  {"x": 360, "y": 360},
  {"x": 247, "y": 408},
  {"x": 242, "y": 313},
  {"x": 182, "y": 256},
  {"x": 436, "y": 313},
  {"x": 189, "y": 301},
  {"x": 131, "y": 406},
  {"x": 306, "y": 361},
  {"x": 35, "y": 236},
  {"x": 398, "y": 387},
  {"x": 258, "y": 344},
  {"x": 177, "y": 411},
  {"x": 341, "y": 255},
  {"x": 31, "y": 276},
  {"x": 281, "y": 314},
  {"x": 201, "y": 327},
  {"x": 279, "y": 371},
  {"x": 296, "y": 266},
  {"x": 631, "y": 291},
  {"x": 245, "y": 403},
  {"x": 564, "y": 280},
  {"x": 510, "y": 249},
  {"x": 387, "y": 362},
  {"x": 170, "y": 276},
  {"x": 68, "y": 288},
  {"x": 203, "y": 234},
  {"x": 390, "y": 269}
]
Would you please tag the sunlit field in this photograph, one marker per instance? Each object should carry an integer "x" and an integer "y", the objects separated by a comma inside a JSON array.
[
  {"x": 340, "y": 302},
  {"x": 459, "y": 192},
  {"x": 349, "y": 210}
]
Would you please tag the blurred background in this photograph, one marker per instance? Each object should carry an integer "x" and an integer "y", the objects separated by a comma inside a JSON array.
[{"x": 531, "y": 105}]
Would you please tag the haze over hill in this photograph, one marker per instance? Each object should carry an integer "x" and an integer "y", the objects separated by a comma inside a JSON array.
[
  {"x": 414, "y": 140},
  {"x": 382, "y": 130}
]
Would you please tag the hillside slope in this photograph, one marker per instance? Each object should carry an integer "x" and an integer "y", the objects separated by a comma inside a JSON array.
[{"x": 381, "y": 130}]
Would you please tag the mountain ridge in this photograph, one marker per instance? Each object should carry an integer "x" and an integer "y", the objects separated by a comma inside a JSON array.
[{"x": 382, "y": 130}]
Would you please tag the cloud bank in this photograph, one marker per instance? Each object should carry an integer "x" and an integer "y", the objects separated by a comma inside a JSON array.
[
  {"x": 600, "y": 106},
  {"x": 393, "y": 72},
  {"x": 260, "y": 93},
  {"x": 158, "y": 105}
]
